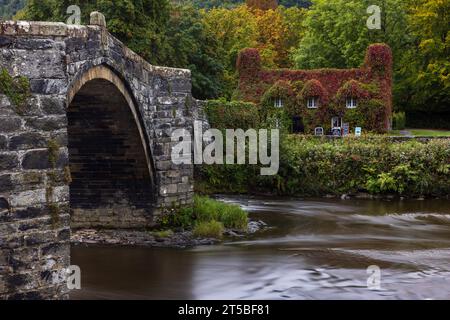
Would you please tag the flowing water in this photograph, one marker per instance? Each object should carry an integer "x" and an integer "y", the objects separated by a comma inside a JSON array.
[{"x": 315, "y": 249}]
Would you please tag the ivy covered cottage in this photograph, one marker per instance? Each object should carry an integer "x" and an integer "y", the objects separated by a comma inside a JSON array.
[{"x": 322, "y": 101}]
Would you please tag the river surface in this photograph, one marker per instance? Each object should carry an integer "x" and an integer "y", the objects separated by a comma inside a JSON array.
[{"x": 315, "y": 249}]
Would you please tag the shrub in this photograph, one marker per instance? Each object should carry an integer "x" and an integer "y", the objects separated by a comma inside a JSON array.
[
  {"x": 207, "y": 210},
  {"x": 179, "y": 218},
  {"x": 232, "y": 216},
  {"x": 313, "y": 166},
  {"x": 211, "y": 229},
  {"x": 224, "y": 114}
]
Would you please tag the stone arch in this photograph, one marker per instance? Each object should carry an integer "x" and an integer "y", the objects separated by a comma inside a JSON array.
[{"x": 109, "y": 152}]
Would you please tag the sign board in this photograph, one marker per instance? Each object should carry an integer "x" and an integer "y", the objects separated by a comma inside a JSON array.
[
  {"x": 318, "y": 131},
  {"x": 358, "y": 131},
  {"x": 336, "y": 132},
  {"x": 346, "y": 129}
]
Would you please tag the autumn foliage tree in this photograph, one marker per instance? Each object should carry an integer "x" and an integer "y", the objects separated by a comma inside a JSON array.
[{"x": 262, "y": 4}]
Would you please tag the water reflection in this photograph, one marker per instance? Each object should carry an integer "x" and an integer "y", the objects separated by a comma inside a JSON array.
[{"x": 314, "y": 250}]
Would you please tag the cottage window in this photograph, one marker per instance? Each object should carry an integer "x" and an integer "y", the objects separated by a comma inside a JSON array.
[
  {"x": 336, "y": 122},
  {"x": 351, "y": 103},
  {"x": 312, "y": 102},
  {"x": 278, "y": 103}
]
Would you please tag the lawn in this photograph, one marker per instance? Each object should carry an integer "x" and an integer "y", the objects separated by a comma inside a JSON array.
[{"x": 423, "y": 132}]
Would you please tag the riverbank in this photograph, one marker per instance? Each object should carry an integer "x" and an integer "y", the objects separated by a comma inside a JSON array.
[{"x": 159, "y": 239}]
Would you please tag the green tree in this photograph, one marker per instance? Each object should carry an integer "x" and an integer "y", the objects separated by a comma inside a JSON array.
[
  {"x": 140, "y": 24},
  {"x": 426, "y": 67},
  {"x": 9, "y": 7},
  {"x": 193, "y": 46},
  {"x": 234, "y": 30},
  {"x": 337, "y": 34}
]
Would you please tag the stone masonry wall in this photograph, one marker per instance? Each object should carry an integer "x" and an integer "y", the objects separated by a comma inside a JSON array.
[{"x": 34, "y": 191}]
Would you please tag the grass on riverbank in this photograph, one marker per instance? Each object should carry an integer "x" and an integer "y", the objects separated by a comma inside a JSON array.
[
  {"x": 208, "y": 218},
  {"x": 422, "y": 132},
  {"x": 209, "y": 229}
]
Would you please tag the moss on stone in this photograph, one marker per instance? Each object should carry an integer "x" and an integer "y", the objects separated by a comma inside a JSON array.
[
  {"x": 188, "y": 102},
  {"x": 32, "y": 178},
  {"x": 53, "y": 152},
  {"x": 16, "y": 89},
  {"x": 67, "y": 175},
  {"x": 53, "y": 209}
]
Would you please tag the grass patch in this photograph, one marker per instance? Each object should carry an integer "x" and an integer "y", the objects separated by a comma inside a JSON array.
[
  {"x": 232, "y": 216},
  {"x": 208, "y": 218},
  {"x": 209, "y": 229},
  {"x": 430, "y": 133},
  {"x": 422, "y": 133},
  {"x": 16, "y": 89},
  {"x": 162, "y": 234}
]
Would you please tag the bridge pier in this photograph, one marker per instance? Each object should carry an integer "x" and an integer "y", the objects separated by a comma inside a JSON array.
[{"x": 88, "y": 147}]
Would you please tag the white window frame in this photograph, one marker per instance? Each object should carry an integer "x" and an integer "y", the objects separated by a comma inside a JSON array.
[
  {"x": 319, "y": 129},
  {"x": 332, "y": 122},
  {"x": 278, "y": 103},
  {"x": 351, "y": 103},
  {"x": 312, "y": 103}
]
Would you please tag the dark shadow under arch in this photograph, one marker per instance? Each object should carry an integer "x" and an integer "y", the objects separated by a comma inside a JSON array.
[{"x": 112, "y": 173}]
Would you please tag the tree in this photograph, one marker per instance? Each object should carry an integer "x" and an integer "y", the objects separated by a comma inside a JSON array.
[
  {"x": 234, "y": 30},
  {"x": 275, "y": 33},
  {"x": 140, "y": 24},
  {"x": 337, "y": 36},
  {"x": 193, "y": 46},
  {"x": 262, "y": 4},
  {"x": 426, "y": 65},
  {"x": 9, "y": 7}
]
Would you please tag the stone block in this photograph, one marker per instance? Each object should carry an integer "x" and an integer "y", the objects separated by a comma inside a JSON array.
[
  {"x": 29, "y": 213},
  {"x": 8, "y": 161},
  {"x": 10, "y": 124},
  {"x": 39, "y": 159},
  {"x": 34, "y": 44},
  {"x": 48, "y": 86},
  {"x": 47, "y": 123},
  {"x": 6, "y": 41},
  {"x": 53, "y": 105},
  {"x": 28, "y": 140},
  {"x": 28, "y": 198},
  {"x": 6, "y": 183}
]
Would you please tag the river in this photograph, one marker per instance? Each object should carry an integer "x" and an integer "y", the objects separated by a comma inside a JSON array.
[{"x": 315, "y": 249}]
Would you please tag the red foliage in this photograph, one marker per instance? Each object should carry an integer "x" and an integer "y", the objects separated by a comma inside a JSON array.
[
  {"x": 313, "y": 88},
  {"x": 379, "y": 60},
  {"x": 248, "y": 63},
  {"x": 377, "y": 69},
  {"x": 352, "y": 88},
  {"x": 262, "y": 4}
]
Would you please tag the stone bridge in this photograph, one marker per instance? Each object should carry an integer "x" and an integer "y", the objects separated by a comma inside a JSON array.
[{"x": 89, "y": 147}]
